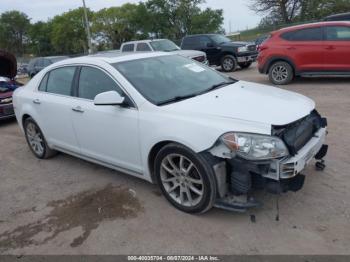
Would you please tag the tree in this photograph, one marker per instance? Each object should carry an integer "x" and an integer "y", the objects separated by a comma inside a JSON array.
[
  {"x": 318, "y": 9},
  {"x": 14, "y": 26},
  {"x": 115, "y": 25},
  {"x": 284, "y": 10},
  {"x": 207, "y": 21},
  {"x": 68, "y": 34},
  {"x": 40, "y": 38},
  {"x": 176, "y": 18}
]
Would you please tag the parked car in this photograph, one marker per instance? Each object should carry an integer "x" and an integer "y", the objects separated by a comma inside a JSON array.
[
  {"x": 338, "y": 17},
  {"x": 221, "y": 51},
  {"x": 163, "y": 45},
  {"x": 318, "y": 49},
  {"x": 260, "y": 40},
  {"x": 22, "y": 69},
  {"x": 8, "y": 71},
  {"x": 39, "y": 63},
  {"x": 204, "y": 138}
]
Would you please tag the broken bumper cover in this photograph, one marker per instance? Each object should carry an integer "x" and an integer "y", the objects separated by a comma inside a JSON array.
[{"x": 275, "y": 176}]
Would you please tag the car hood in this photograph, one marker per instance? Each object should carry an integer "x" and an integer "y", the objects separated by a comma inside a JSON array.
[
  {"x": 189, "y": 53},
  {"x": 248, "y": 102},
  {"x": 235, "y": 44}
]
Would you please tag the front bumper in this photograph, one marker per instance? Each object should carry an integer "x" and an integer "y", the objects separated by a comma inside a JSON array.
[
  {"x": 241, "y": 177},
  {"x": 6, "y": 111},
  {"x": 247, "y": 57}
]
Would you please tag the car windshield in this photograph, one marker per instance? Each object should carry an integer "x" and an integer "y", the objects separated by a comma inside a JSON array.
[
  {"x": 220, "y": 39},
  {"x": 167, "y": 79},
  {"x": 164, "y": 45}
]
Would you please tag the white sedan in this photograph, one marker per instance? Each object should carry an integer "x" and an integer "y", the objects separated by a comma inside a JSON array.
[{"x": 206, "y": 139}]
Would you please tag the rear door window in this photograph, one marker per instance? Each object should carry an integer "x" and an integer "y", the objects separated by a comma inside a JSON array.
[
  {"x": 60, "y": 81},
  {"x": 190, "y": 42},
  {"x": 307, "y": 34},
  {"x": 338, "y": 33},
  {"x": 128, "y": 48}
]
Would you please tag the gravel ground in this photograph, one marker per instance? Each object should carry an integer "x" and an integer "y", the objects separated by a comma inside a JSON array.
[{"x": 69, "y": 206}]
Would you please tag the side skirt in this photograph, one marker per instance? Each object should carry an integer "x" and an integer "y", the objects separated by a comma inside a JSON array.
[{"x": 102, "y": 163}]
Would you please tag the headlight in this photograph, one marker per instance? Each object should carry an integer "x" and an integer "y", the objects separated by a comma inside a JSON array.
[
  {"x": 243, "y": 49},
  {"x": 255, "y": 147}
]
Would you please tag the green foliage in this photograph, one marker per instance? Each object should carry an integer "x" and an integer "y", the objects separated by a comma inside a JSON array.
[
  {"x": 68, "y": 35},
  {"x": 14, "y": 26},
  {"x": 40, "y": 38},
  {"x": 65, "y": 33},
  {"x": 115, "y": 25}
]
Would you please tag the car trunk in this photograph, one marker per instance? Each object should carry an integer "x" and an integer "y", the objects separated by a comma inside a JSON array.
[{"x": 8, "y": 65}]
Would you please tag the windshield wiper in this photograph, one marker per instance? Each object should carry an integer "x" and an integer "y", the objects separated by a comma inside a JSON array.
[
  {"x": 216, "y": 86},
  {"x": 176, "y": 99}
]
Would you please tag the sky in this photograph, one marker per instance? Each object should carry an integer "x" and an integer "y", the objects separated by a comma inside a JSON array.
[{"x": 236, "y": 12}]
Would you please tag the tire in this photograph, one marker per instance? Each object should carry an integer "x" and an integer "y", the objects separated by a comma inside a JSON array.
[
  {"x": 36, "y": 140},
  {"x": 281, "y": 73},
  {"x": 192, "y": 190},
  {"x": 228, "y": 63},
  {"x": 245, "y": 65}
]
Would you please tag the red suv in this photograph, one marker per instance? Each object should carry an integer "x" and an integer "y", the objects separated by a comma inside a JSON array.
[{"x": 319, "y": 49}]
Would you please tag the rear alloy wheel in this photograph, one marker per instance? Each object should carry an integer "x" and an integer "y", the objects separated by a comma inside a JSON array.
[
  {"x": 36, "y": 140},
  {"x": 185, "y": 179},
  {"x": 281, "y": 73},
  {"x": 228, "y": 63},
  {"x": 245, "y": 65}
]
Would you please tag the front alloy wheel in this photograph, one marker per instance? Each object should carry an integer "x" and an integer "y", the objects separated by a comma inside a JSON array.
[
  {"x": 181, "y": 180},
  {"x": 185, "y": 179}
]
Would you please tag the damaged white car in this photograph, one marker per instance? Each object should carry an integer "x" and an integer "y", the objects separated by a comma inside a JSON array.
[{"x": 206, "y": 139}]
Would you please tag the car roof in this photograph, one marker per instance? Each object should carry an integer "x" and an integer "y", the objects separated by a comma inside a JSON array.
[
  {"x": 112, "y": 58},
  {"x": 342, "y": 15},
  {"x": 318, "y": 24},
  {"x": 143, "y": 41}
]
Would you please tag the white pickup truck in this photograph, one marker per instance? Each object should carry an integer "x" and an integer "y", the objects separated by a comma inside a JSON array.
[{"x": 163, "y": 45}]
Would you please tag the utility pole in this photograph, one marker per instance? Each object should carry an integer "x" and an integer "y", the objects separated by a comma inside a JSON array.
[{"x": 87, "y": 27}]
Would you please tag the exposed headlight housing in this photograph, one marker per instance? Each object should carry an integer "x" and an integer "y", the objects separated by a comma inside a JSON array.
[
  {"x": 242, "y": 49},
  {"x": 255, "y": 147}
]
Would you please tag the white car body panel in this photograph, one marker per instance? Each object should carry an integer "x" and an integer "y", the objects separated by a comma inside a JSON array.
[{"x": 122, "y": 138}]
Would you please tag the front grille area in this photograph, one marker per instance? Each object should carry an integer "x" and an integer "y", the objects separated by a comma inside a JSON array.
[
  {"x": 199, "y": 58},
  {"x": 297, "y": 134},
  {"x": 252, "y": 48}
]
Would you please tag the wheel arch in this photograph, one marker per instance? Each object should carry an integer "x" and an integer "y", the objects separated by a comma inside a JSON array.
[
  {"x": 153, "y": 153},
  {"x": 275, "y": 59}
]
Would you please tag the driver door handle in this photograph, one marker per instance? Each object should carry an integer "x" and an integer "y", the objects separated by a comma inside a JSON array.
[{"x": 78, "y": 109}]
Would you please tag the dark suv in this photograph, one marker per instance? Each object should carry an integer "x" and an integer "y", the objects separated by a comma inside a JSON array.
[
  {"x": 221, "y": 51},
  {"x": 39, "y": 63}
]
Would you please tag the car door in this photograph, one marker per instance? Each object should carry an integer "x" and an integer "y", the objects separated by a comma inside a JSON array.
[
  {"x": 106, "y": 133},
  {"x": 337, "y": 48},
  {"x": 210, "y": 48},
  {"x": 53, "y": 106},
  {"x": 306, "y": 48}
]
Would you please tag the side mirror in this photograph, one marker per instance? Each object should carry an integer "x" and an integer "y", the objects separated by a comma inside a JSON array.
[
  {"x": 210, "y": 45},
  {"x": 110, "y": 98}
]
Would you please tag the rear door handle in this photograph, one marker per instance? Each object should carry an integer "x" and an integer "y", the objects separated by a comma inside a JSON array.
[
  {"x": 78, "y": 109},
  {"x": 36, "y": 101},
  {"x": 291, "y": 48}
]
